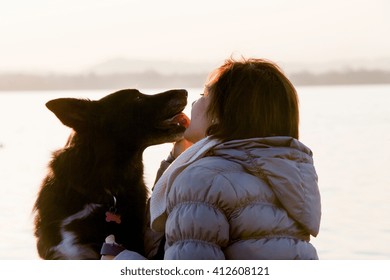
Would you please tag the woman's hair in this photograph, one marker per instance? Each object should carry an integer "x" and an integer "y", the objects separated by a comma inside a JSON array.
[{"x": 251, "y": 98}]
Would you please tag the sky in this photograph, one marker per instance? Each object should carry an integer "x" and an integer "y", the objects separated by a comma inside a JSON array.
[{"x": 72, "y": 35}]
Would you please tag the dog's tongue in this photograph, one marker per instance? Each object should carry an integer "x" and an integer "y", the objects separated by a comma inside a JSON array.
[{"x": 181, "y": 119}]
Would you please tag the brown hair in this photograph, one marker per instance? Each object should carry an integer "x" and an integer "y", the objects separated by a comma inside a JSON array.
[{"x": 251, "y": 98}]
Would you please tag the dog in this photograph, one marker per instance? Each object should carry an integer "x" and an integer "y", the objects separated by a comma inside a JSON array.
[{"x": 95, "y": 185}]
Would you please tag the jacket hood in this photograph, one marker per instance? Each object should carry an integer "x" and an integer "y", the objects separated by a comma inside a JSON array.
[{"x": 287, "y": 166}]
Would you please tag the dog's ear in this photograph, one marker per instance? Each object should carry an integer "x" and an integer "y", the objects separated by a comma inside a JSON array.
[{"x": 71, "y": 112}]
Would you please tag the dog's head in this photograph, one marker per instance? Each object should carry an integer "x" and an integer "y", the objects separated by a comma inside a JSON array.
[{"x": 126, "y": 117}]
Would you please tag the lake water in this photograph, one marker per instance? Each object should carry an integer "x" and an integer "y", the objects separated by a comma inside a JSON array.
[{"x": 347, "y": 127}]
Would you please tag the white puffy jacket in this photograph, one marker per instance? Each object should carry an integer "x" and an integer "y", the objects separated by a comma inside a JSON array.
[{"x": 246, "y": 199}]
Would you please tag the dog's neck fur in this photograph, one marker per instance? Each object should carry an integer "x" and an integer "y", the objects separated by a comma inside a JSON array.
[{"x": 125, "y": 165}]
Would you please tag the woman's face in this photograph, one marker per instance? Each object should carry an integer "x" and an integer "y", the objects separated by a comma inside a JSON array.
[{"x": 199, "y": 119}]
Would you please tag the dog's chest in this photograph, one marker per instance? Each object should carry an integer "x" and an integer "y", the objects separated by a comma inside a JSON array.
[{"x": 70, "y": 246}]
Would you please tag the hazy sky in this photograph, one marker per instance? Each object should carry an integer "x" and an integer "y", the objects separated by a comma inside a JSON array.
[{"x": 71, "y": 35}]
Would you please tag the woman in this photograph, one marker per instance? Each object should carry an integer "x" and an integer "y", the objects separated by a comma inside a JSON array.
[{"x": 247, "y": 188}]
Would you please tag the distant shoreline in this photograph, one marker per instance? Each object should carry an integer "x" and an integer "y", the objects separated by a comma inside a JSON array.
[{"x": 153, "y": 79}]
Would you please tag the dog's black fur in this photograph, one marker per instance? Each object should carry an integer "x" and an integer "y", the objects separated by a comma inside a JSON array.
[{"x": 101, "y": 163}]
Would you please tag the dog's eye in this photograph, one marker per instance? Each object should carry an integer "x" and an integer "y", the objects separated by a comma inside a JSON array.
[{"x": 138, "y": 98}]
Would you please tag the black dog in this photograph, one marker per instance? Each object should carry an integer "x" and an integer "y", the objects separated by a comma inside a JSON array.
[{"x": 95, "y": 184}]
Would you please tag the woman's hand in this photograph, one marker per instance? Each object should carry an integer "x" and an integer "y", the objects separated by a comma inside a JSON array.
[{"x": 180, "y": 146}]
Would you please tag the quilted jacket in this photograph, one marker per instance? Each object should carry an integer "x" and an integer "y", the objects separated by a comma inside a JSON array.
[{"x": 246, "y": 199}]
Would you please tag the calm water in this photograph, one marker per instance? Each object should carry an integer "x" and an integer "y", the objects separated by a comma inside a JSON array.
[{"x": 348, "y": 129}]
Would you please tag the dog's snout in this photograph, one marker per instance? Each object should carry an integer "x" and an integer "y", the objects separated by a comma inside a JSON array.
[
  {"x": 182, "y": 92},
  {"x": 175, "y": 97}
]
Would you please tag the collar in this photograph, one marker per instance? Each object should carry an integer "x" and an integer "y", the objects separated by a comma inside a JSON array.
[{"x": 112, "y": 214}]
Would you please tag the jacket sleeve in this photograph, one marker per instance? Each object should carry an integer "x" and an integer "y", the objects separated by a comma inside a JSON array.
[
  {"x": 197, "y": 227},
  {"x": 152, "y": 239}
]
